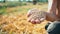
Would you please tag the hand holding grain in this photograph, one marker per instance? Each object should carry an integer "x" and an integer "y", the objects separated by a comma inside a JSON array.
[{"x": 36, "y": 16}]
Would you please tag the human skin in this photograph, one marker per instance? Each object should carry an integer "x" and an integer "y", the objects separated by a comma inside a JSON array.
[{"x": 51, "y": 14}]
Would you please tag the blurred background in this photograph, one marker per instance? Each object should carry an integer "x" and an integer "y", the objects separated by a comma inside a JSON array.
[
  {"x": 14, "y": 3},
  {"x": 13, "y": 18}
]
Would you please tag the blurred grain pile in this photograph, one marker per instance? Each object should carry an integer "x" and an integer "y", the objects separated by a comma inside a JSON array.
[{"x": 17, "y": 24}]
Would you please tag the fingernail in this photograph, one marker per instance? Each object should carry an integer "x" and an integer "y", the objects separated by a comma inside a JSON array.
[{"x": 37, "y": 21}]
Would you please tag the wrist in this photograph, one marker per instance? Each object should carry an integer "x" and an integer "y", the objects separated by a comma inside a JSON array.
[{"x": 50, "y": 16}]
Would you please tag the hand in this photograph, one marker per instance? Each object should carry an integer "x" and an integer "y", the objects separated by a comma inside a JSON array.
[{"x": 36, "y": 16}]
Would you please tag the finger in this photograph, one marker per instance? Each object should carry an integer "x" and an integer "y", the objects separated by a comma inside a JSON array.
[
  {"x": 28, "y": 15},
  {"x": 29, "y": 19},
  {"x": 37, "y": 21},
  {"x": 33, "y": 21}
]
